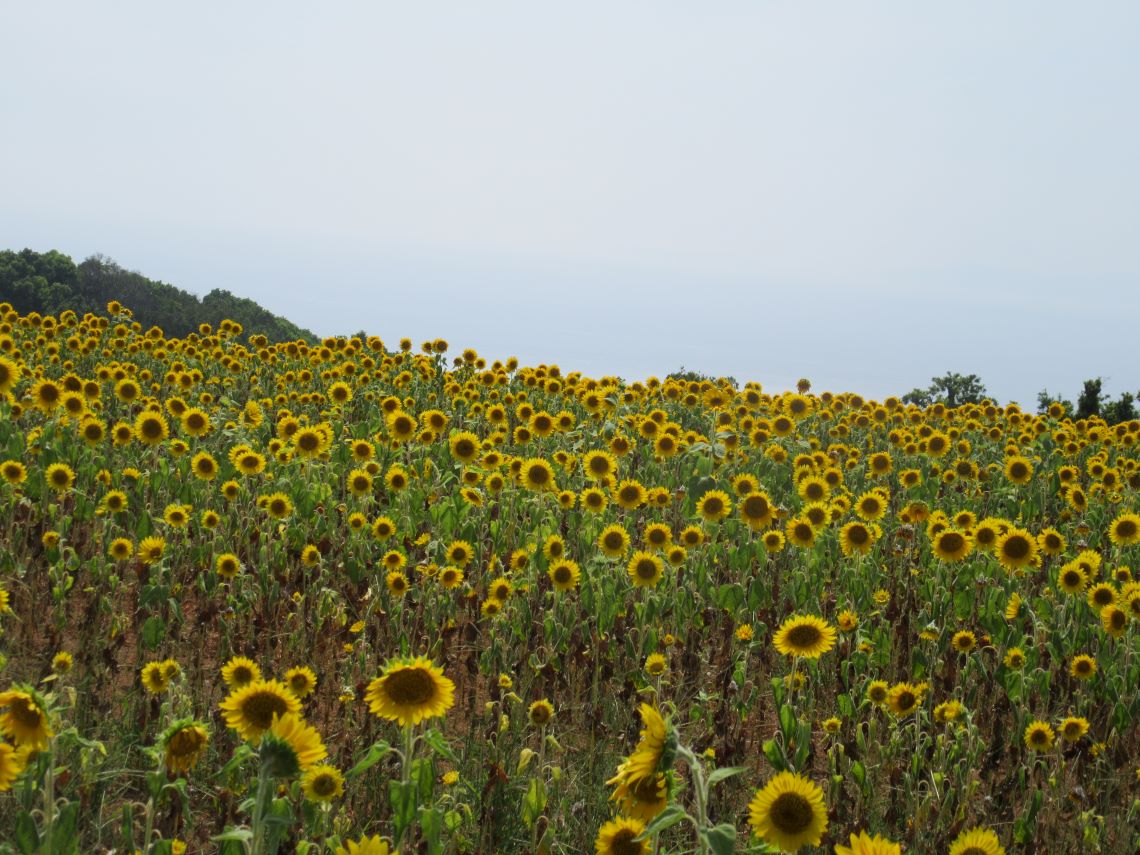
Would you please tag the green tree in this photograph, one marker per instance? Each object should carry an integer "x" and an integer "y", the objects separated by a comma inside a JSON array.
[{"x": 951, "y": 389}]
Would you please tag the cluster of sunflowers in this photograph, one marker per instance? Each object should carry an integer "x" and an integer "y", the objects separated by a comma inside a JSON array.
[{"x": 343, "y": 597}]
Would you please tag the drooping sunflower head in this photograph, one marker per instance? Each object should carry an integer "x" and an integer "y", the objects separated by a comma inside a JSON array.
[
  {"x": 410, "y": 691},
  {"x": 540, "y": 712},
  {"x": 789, "y": 812},
  {"x": 183, "y": 743}
]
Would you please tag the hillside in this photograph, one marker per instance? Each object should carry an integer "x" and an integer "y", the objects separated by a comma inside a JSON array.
[{"x": 51, "y": 282}]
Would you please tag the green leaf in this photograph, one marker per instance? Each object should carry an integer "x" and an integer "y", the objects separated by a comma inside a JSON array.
[
  {"x": 439, "y": 745},
  {"x": 238, "y": 834},
  {"x": 719, "y": 775},
  {"x": 153, "y": 631},
  {"x": 377, "y": 752},
  {"x": 666, "y": 819},
  {"x": 721, "y": 838},
  {"x": 24, "y": 835}
]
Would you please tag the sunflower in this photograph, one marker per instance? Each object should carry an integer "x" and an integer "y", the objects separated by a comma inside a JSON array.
[
  {"x": 154, "y": 678},
  {"x": 464, "y": 446},
  {"x": 12, "y": 762},
  {"x": 614, "y": 541},
  {"x": 964, "y": 641},
  {"x": 460, "y": 553},
  {"x": 251, "y": 709},
  {"x": 450, "y": 577},
  {"x": 714, "y": 506},
  {"x": 756, "y": 510},
  {"x": 1072, "y": 578},
  {"x": 301, "y": 738},
  {"x": 240, "y": 671},
  {"x": 1125, "y": 529},
  {"x": 805, "y": 636},
  {"x": 799, "y": 531},
  {"x": 877, "y": 692},
  {"x": 397, "y": 583},
  {"x": 301, "y": 681},
  {"x": 60, "y": 477},
  {"x": 24, "y": 719},
  {"x": 409, "y": 691},
  {"x": 278, "y": 505},
  {"x": 904, "y": 698},
  {"x": 630, "y": 495},
  {"x": 655, "y": 665},
  {"x": 599, "y": 465},
  {"x": 366, "y": 846},
  {"x": 857, "y": 537},
  {"x": 227, "y": 565},
  {"x": 976, "y": 841},
  {"x": 9, "y": 375},
  {"x": 1073, "y": 728},
  {"x": 151, "y": 427},
  {"x": 1051, "y": 541},
  {"x": 1114, "y": 620},
  {"x": 183, "y": 743},
  {"x": 645, "y": 569},
  {"x": 1039, "y": 736},
  {"x": 773, "y": 541},
  {"x": 537, "y": 474},
  {"x": 1101, "y": 595},
  {"x": 651, "y": 753},
  {"x": 951, "y": 545},
  {"x": 1083, "y": 667},
  {"x": 322, "y": 783},
  {"x": 789, "y": 812},
  {"x": 564, "y": 574},
  {"x": 14, "y": 472},
  {"x": 1016, "y": 548},
  {"x": 619, "y": 837},
  {"x": 1018, "y": 469},
  {"x": 865, "y": 844},
  {"x": 541, "y": 712},
  {"x": 47, "y": 395},
  {"x": 120, "y": 549}
]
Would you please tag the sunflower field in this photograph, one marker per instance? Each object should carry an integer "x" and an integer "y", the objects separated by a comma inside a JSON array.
[{"x": 265, "y": 597}]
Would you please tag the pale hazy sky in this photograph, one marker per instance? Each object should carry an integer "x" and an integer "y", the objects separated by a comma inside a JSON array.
[{"x": 863, "y": 193}]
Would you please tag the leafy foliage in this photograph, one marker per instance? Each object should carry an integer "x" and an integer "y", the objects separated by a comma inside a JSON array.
[{"x": 51, "y": 282}]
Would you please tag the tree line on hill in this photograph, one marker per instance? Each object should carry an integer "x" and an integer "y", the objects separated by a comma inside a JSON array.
[{"x": 51, "y": 282}]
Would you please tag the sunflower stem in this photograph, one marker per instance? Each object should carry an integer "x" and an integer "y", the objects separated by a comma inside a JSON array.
[{"x": 261, "y": 803}]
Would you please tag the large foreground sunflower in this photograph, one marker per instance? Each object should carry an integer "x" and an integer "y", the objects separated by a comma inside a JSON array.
[
  {"x": 789, "y": 812},
  {"x": 805, "y": 636},
  {"x": 409, "y": 691}
]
